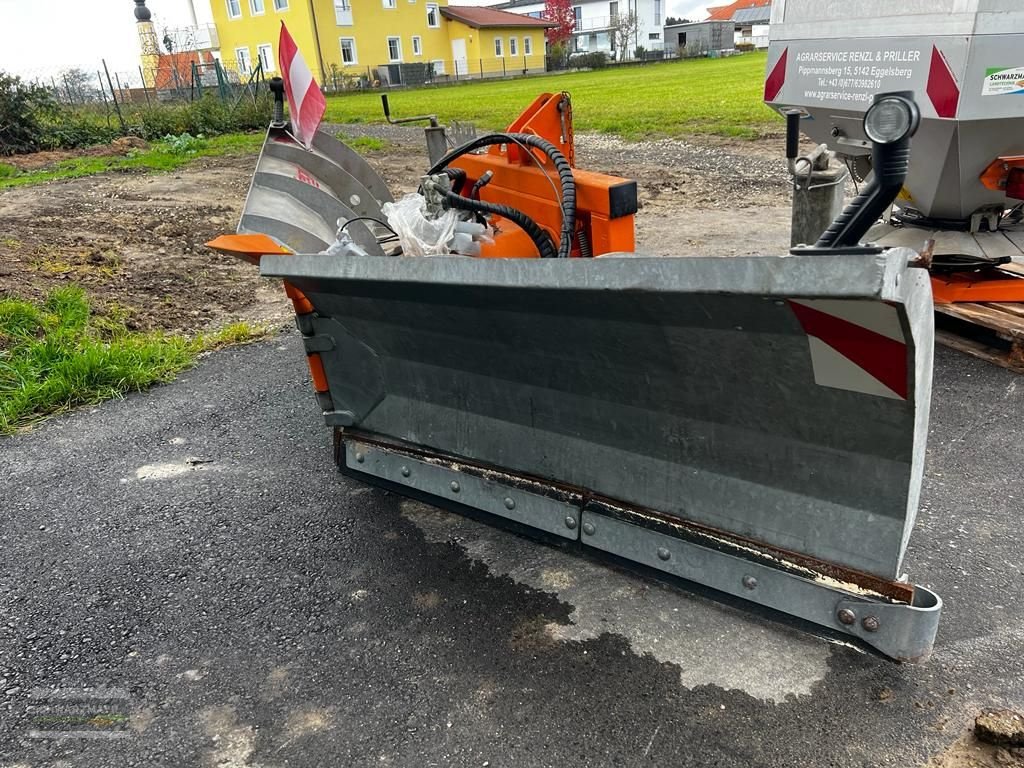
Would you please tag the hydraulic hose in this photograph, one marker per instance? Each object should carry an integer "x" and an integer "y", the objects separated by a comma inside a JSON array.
[
  {"x": 480, "y": 183},
  {"x": 565, "y": 177},
  {"x": 540, "y": 238},
  {"x": 458, "y": 178}
]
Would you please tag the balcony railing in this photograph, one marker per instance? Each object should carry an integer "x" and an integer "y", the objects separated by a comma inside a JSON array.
[
  {"x": 201, "y": 38},
  {"x": 595, "y": 23}
]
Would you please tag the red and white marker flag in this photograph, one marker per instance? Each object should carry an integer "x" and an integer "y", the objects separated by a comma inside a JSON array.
[{"x": 306, "y": 101}]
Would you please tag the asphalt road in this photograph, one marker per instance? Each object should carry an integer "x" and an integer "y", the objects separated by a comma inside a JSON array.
[{"x": 187, "y": 581}]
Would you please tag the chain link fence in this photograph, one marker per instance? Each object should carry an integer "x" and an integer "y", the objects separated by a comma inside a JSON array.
[{"x": 78, "y": 107}]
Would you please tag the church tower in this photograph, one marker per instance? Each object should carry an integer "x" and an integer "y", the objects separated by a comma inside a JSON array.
[{"x": 149, "y": 48}]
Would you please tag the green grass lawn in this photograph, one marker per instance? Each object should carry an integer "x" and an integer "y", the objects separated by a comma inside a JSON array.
[
  {"x": 165, "y": 155},
  {"x": 680, "y": 98},
  {"x": 59, "y": 353}
]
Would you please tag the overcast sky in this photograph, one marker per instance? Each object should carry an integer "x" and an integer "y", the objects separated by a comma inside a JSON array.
[{"x": 43, "y": 37}]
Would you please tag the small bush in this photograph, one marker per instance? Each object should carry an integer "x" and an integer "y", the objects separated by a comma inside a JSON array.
[
  {"x": 24, "y": 108},
  {"x": 744, "y": 47},
  {"x": 8, "y": 171},
  {"x": 594, "y": 60},
  {"x": 32, "y": 120},
  {"x": 208, "y": 116},
  {"x": 183, "y": 144}
]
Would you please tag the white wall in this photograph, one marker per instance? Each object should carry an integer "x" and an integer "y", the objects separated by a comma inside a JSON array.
[{"x": 595, "y": 18}]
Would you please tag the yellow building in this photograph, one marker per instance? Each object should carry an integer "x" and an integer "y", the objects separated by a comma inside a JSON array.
[{"x": 387, "y": 40}]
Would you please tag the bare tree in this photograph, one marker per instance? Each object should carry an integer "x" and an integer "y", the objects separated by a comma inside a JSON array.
[
  {"x": 75, "y": 86},
  {"x": 624, "y": 29}
]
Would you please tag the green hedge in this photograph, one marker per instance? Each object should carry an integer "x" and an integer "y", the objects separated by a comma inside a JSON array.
[{"x": 32, "y": 120}]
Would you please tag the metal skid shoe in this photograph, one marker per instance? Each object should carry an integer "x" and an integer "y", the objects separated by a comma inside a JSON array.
[{"x": 896, "y": 619}]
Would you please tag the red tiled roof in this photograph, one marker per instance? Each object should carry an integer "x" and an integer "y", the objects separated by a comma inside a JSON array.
[
  {"x": 479, "y": 17},
  {"x": 725, "y": 12}
]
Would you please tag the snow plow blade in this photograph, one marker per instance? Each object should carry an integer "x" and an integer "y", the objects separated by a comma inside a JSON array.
[
  {"x": 756, "y": 425},
  {"x": 297, "y": 196}
]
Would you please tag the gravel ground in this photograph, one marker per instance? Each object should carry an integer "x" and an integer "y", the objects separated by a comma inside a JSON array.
[{"x": 696, "y": 198}]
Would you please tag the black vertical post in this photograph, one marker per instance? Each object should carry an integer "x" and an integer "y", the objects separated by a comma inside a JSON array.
[
  {"x": 481, "y": 69},
  {"x": 103, "y": 93},
  {"x": 145, "y": 90},
  {"x": 503, "y": 72},
  {"x": 117, "y": 107}
]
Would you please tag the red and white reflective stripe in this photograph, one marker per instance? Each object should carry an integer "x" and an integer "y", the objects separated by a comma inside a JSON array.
[
  {"x": 777, "y": 78},
  {"x": 855, "y": 345},
  {"x": 306, "y": 101}
]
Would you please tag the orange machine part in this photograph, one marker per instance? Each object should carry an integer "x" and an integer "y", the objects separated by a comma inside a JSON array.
[
  {"x": 316, "y": 369},
  {"x": 599, "y": 206},
  {"x": 998, "y": 171},
  {"x": 547, "y": 118},
  {"x": 248, "y": 247},
  {"x": 302, "y": 305},
  {"x": 993, "y": 285},
  {"x": 605, "y": 205}
]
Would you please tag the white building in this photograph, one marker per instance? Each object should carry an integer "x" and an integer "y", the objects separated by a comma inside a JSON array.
[{"x": 597, "y": 20}]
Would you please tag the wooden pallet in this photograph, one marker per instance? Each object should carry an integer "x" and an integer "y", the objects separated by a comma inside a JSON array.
[
  {"x": 992, "y": 332},
  {"x": 989, "y": 331}
]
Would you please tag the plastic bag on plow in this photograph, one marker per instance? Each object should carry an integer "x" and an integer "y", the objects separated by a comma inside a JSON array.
[{"x": 418, "y": 234}]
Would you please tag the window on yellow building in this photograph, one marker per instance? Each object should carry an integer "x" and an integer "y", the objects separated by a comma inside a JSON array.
[
  {"x": 280, "y": 5},
  {"x": 342, "y": 13},
  {"x": 417, "y": 45},
  {"x": 348, "y": 51},
  {"x": 265, "y": 53},
  {"x": 498, "y": 51},
  {"x": 528, "y": 46},
  {"x": 257, "y": 7},
  {"x": 394, "y": 49},
  {"x": 234, "y": 9},
  {"x": 513, "y": 47},
  {"x": 389, "y": 3},
  {"x": 243, "y": 60},
  {"x": 433, "y": 16}
]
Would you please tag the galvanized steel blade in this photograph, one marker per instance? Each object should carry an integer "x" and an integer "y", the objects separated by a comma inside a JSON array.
[
  {"x": 780, "y": 399},
  {"x": 326, "y": 209}
]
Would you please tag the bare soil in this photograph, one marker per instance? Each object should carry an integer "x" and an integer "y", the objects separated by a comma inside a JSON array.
[
  {"x": 136, "y": 241},
  {"x": 37, "y": 160},
  {"x": 969, "y": 752}
]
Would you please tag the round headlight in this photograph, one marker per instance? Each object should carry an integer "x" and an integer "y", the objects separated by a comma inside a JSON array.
[{"x": 889, "y": 120}]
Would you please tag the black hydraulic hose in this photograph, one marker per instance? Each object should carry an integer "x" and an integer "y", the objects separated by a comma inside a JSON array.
[
  {"x": 458, "y": 178},
  {"x": 480, "y": 183},
  {"x": 584, "y": 245},
  {"x": 540, "y": 238},
  {"x": 565, "y": 177}
]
